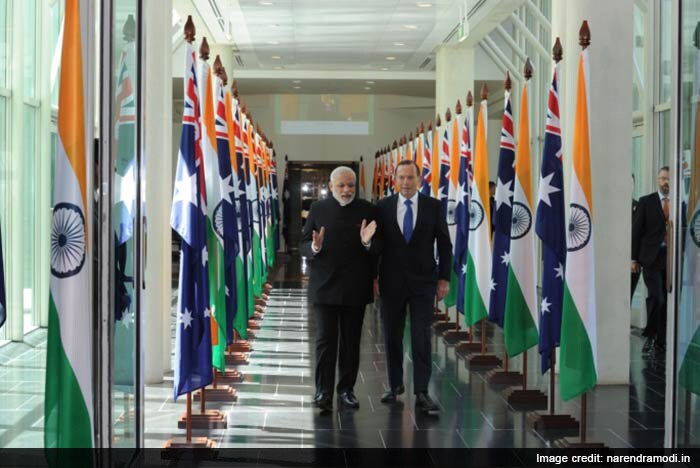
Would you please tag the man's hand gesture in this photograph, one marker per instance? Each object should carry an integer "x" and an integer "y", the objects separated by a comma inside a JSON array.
[
  {"x": 318, "y": 239},
  {"x": 367, "y": 231}
]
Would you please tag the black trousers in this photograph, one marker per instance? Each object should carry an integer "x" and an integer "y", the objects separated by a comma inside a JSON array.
[
  {"x": 394, "y": 320},
  {"x": 655, "y": 281},
  {"x": 337, "y": 326}
]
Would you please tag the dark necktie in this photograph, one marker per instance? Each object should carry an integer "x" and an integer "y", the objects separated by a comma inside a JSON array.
[{"x": 408, "y": 221}]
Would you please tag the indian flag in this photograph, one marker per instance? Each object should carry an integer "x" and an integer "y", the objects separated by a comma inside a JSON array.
[
  {"x": 68, "y": 417},
  {"x": 578, "y": 361},
  {"x": 215, "y": 245},
  {"x": 453, "y": 190},
  {"x": 478, "y": 271},
  {"x": 521, "y": 320}
]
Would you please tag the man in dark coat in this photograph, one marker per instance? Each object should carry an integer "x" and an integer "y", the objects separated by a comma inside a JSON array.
[
  {"x": 649, "y": 253},
  {"x": 340, "y": 284},
  {"x": 409, "y": 224}
]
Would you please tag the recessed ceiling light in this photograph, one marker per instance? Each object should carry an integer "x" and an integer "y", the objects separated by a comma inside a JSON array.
[
  {"x": 391, "y": 58},
  {"x": 399, "y": 44},
  {"x": 273, "y": 42},
  {"x": 369, "y": 82},
  {"x": 297, "y": 87},
  {"x": 424, "y": 5},
  {"x": 278, "y": 68},
  {"x": 296, "y": 81},
  {"x": 410, "y": 26},
  {"x": 384, "y": 69},
  {"x": 275, "y": 57},
  {"x": 266, "y": 3},
  {"x": 367, "y": 88}
]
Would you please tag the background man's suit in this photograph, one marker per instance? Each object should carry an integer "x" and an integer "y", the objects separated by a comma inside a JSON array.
[
  {"x": 649, "y": 250},
  {"x": 408, "y": 276},
  {"x": 340, "y": 286}
]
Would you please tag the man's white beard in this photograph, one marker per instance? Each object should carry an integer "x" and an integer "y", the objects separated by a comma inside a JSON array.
[{"x": 343, "y": 202}]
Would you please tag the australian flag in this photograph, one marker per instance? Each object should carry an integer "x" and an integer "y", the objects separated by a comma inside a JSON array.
[
  {"x": 444, "y": 180},
  {"x": 225, "y": 220},
  {"x": 427, "y": 175},
  {"x": 193, "y": 354},
  {"x": 462, "y": 212},
  {"x": 551, "y": 228},
  {"x": 502, "y": 217}
]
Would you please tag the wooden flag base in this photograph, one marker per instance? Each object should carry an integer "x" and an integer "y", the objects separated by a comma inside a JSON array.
[
  {"x": 442, "y": 327},
  {"x": 455, "y": 336},
  {"x": 438, "y": 315},
  {"x": 503, "y": 377},
  {"x": 210, "y": 419},
  {"x": 576, "y": 443},
  {"x": 254, "y": 324},
  {"x": 483, "y": 362},
  {"x": 466, "y": 348},
  {"x": 236, "y": 359},
  {"x": 183, "y": 443},
  {"x": 220, "y": 393},
  {"x": 251, "y": 334},
  {"x": 229, "y": 377},
  {"x": 258, "y": 315},
  {"x": 553, "y": 424},
  {"x": 241, "y": 346},
  {"x": 260, "y": 305},
  {"x": 521, "y": 399}
]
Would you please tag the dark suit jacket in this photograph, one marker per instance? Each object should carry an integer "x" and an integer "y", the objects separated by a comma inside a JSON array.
[
  {"x": 648, "y": 231},
  {"x": 342, "y": 271},
  {"x": 409, "y": 269}
]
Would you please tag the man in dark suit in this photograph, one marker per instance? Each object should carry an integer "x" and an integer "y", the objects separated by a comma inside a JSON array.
[
  {"x": 409, "y": 224},
  {"x": 649, "y": 249},
  {"x": 340, "y": 284},
  {"x": 635, "y": 275}
]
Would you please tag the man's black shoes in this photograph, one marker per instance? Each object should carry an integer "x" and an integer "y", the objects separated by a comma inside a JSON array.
[
  {"x": 323, "y": 401},
  {"x": 348, "y": 399},
  {"x": 390, "y": 396},
  {"x": 425, "y": 404}
]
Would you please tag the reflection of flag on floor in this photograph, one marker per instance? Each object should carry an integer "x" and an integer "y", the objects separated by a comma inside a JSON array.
[
  {"x": 578, "y": 363},
  {"x": 68, "y": 410},
  {"x": 689, "y": 316},
  {"x": 503, "y": 211},
  {"x": 551, "y": 228},
  {"x": 193, "y": 353}
]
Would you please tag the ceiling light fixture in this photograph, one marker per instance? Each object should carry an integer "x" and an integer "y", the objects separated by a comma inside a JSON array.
[
  {"x": 367, "y": 88},
  {"x": 296, "y": 81},
  {"x": 390, "y": 58},
  {"x": 369, "y": 82},
  {"x": 424, "y": 5},
  {"x": 265, "y": 3},
  {"x": 275, "y": 57},
  {"x": 278, "y": 68},
  {"x": 297, "y": 87},
  {"x": 384, "y": 69},
  {"x": 399, "y": 44},
  {"x": 410, "y": 26},
  {"x": 273, "y": 42}
]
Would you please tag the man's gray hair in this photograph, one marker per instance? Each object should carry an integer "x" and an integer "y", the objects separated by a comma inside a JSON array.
[{"x": 339, "y": 170}]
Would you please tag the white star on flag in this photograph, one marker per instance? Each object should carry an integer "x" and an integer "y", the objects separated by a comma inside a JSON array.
[
  {"x": 503, "y": 193},
  {"x": 205, "y": 256},
  {"x": 207, "y": 312},
  {"x": 127, "y": 319},
  {"x": 492, "y": 285},
  {"x": 186, "y": 188},
  {"x": 560, "y": 272},
  {"x": 227, "y": 189},
  {"x": 227, "y": 292},
  {"x": 126, "y": 186},
  {"x": 546, "y": 188},
  {"x": 505, "y": 258},
  {"x": 186, "y": 318},
  {"x": 461, "y": 193},
  {"x": 545, "y": 305},
  {"x": 464, "y": 269}
]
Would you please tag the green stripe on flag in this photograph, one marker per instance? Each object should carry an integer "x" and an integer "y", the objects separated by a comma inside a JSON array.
[
  {"x": 67, "y": 420},
  {"x": 240, "y": 320},
  {"x": 474, "y": 307},
  {"x": 519, "y": 330},
  {"x": 217, "y": 295},
  {"x": 451, "y": 298},
  {"x": 576, "y": 366}
]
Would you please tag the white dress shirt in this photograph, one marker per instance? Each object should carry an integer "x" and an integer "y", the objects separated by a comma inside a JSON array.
[{"x": 401, "y": 210}]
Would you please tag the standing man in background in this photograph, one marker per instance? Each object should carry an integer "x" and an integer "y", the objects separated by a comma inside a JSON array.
[
  {"x": 409, "y": 224},
  {"x": 649, "y": 251},
  {"x": 340, "y": 284}
]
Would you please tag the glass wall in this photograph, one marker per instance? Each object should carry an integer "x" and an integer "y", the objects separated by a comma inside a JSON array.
[{"x": 687, "y": 390}]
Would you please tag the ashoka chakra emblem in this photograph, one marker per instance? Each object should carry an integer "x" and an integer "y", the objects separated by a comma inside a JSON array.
[
  {"x": 579, "y": 228},
  {"x": 219, "y": 219},
  {"x": 451, "y": 208},
  {"x": 695, "y": 229},
  {"x": 476, "y": 215},
  {"x": 521, "y": 221},
  {"x": 67, "y": 240}
]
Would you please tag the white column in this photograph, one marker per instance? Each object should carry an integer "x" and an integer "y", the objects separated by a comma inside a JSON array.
[
  {"x": 454, "y": 76},
  {"x": 156, "y": 96},
  {"x": 610, "y": 111}
]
